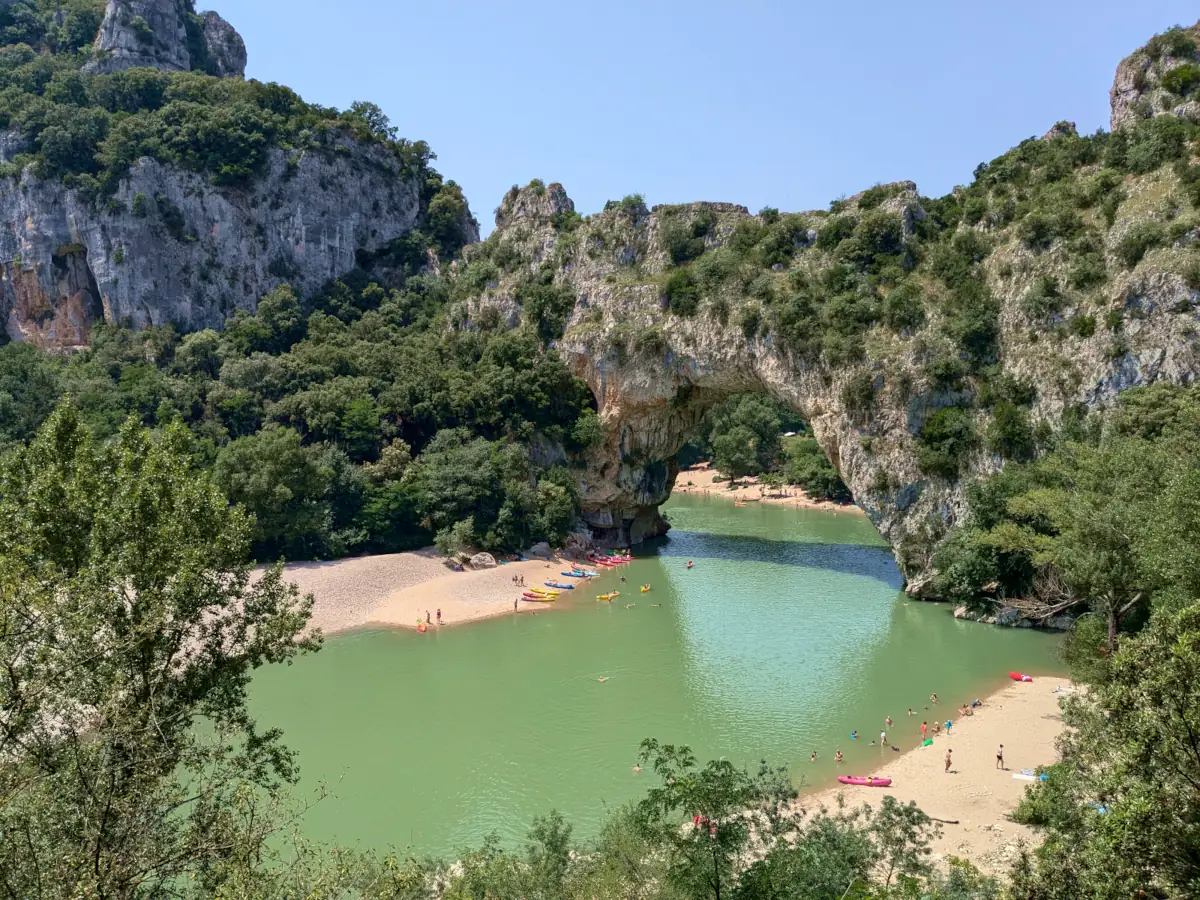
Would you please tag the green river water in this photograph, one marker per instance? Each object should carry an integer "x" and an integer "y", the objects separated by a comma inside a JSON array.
[{"x": 789, "y": 632}]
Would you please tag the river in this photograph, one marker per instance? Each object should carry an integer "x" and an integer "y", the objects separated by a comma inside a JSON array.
[{"x": 789, "y": 632}]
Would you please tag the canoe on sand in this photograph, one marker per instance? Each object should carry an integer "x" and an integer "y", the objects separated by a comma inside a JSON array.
[{"x": 864, "y": 782}]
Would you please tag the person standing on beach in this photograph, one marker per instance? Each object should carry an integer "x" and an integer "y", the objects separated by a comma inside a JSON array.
[
  {"x": 514, "y": 606},
  {"x": 924, "y": 728},
  {"x": 1000, "y": 758},
  {"x": 428, "y": 618},
  {"x": 947, "y": 760},
  {"x": 439, "y": 615}
]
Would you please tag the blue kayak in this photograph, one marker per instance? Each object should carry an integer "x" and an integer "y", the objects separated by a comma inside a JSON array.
[
  {"x": 563, "y": 587},
  {"x": 572, "y": 574}
]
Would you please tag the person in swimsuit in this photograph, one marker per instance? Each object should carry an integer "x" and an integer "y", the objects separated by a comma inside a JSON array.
[
  {"x": 428, "y": 619},
  {"x": 854, "y": 735},
  {"x": 882, "y": 738},
  {"x": 889, "y": 721},
  {"x": 1000, "y": 758},
  {"x": 933, "y": 698},
  {"x": 947, "y": 760},
  {"x": 813, "y": 758},
  {"x": 837, "y": 757},
  {"x": 439, "y": 617},
  {"x": 924, "y": 728}
]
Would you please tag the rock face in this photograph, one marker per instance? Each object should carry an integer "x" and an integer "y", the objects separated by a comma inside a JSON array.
[
  {"x": 154, "y": 33},
  {"x": 173, "y": 248},
  {"x": 1139, "y": 90},
  {"x": 226, "y": 49}
]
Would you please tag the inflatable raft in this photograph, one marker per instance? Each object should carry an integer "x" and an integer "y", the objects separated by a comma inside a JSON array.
[{"x": 864, "y": 782}]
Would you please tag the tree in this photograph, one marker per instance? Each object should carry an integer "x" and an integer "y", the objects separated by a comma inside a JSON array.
[
  {"x": 1122, "y": 810},
  {"x": 735, "y": 452},
  {"x": 729, "y": 811},
  {"x": 130, "y": 626},
  {"x": 285, "y": 486}
]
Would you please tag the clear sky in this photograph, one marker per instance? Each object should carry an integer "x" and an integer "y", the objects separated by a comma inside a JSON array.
[{"x": 784, "y": 104}]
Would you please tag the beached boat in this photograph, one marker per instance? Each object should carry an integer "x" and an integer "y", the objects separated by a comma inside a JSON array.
[
  {"x": 864, "y": 782},
  {"x": 572, "y": 574},
  {"x": 538, "y": 598},
  {"x": 561, "y": 587},
  {"x": 544, "y": 593}
]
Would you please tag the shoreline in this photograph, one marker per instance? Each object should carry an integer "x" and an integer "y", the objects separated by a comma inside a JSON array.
[
  {"x": 699, "y": 480},
  {"x": 973, "y": 801},
  {"x": 394, "y": 590}
]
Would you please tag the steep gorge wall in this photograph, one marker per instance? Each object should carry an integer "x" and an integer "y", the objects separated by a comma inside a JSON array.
[{"x": 173, "y": 248}]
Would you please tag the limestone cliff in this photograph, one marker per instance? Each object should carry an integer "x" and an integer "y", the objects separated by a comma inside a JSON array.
[
  {"x": 167, "y": 35},
  {"x": 1144, "y": 85},
  {"x": 171, "y": 247}
]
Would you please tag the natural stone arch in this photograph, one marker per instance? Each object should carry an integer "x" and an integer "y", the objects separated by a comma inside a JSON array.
[{"x": 654, "y": 370}]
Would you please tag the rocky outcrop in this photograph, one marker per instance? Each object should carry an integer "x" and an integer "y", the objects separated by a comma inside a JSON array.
[
  {"x": 1142, "y": 87},
  {"x": 226, "y": 49},
  {"x": 171, "y": 247},
  {"x": 155, "y": 34}
]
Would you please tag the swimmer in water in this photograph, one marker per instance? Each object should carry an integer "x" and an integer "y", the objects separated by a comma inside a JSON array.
[
  {"x": 813, "y": 758},
  {"x": 854, "y": 735},
  {"x": 602, "y": 679},
  {"x": 838, "y": 756},
  {"x": 636, "y": 768}
]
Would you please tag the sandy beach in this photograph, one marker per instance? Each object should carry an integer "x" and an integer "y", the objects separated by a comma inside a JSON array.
[
  {"x": 699, "y": 480},
  {"x": 397, "y": 589},
  {"x": 1024, "y": 717}
]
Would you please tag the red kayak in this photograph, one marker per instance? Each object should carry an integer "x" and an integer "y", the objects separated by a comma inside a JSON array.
[
  {"x": 864, "y": 782},
  {"x": 1017, "y": 676}
]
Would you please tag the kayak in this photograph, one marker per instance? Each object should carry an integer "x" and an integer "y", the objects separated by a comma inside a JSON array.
[
  {"x": 561, "y": 587},
  {"x": 573, "y": 574},
  {"x": 540, "y": 598},
  {"x": 646, "y": 589},
  {"x": 542, "y": 593},
  {"x": 864, "y": 782},
  {"x": 608, "y": 596},
  {"x": 1017, "y": 676}
]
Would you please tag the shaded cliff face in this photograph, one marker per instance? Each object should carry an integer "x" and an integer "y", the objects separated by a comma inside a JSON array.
[{"x": 172, "y": 248}]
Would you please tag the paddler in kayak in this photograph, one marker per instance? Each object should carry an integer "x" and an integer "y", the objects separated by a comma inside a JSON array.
[{"x": 689, "y": 564}]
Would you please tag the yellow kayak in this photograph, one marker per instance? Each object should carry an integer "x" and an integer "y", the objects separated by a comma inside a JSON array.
[
  {"x": 608, "y": 596},
  {"x": 645, "y": 588},
  {"x": 544, "y": 593}
]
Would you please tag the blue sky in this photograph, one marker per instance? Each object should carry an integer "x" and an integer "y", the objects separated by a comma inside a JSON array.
[{"x": 765, "y": 104}]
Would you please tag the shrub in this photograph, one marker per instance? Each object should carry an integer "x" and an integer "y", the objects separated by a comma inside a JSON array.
[
  {"x": 1044, "y": 298},
  {"x": 945, "y": 441},
  {"x": 858, "y": 394},
  {"x": 750, "y": 321},
  {"x": 1138, "y": 241},
  {"x": 1082, "y": 326},
  {"x": 835, "y": 231},
  {"x": 1172, "y": 42},
  {"x": 902, "y": 307},
  {"x": 1010, "y": 434},
  {"x": 1182, "y": 79},
  {"x": 684, "y": 241},
  {"x": 946, "y": 372},
  {"x": 683, "y": 293}
]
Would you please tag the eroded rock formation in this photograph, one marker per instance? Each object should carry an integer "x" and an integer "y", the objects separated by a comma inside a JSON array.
[
  {"x": 1141, "y": 89},
  {"x": 173, "y": 248},
  {"x": 166, "y": 34}
]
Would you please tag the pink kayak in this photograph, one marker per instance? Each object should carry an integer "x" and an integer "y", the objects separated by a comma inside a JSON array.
[
  {"x": 864, "y": 782},
  {"x": 1017, "y": 676}
]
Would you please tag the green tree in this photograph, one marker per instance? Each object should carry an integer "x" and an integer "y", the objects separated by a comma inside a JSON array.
[
  {"x": 285, "y": 486},
  {"x": 1122, "y": 810},
  {"x": 130, "y": 626}
]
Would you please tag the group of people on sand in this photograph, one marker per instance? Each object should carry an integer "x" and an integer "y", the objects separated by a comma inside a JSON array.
[
  {"x": 927, "y": 733},
  {"x": 518, "y": 579}
]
